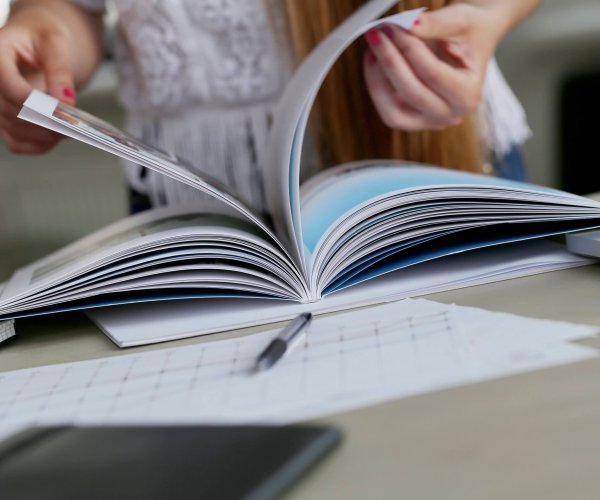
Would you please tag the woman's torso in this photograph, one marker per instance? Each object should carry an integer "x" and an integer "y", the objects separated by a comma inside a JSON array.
[{"x": 200, "y": 78}]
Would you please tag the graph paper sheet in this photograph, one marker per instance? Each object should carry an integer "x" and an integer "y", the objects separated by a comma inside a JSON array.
[
  {"x": 7, "y": 330},
  {"x": 346, "y": 361}
]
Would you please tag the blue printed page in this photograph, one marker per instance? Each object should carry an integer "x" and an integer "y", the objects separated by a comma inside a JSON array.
[
  {"x": 365, "y": 219},
  {"x": 328, "y": 197}
]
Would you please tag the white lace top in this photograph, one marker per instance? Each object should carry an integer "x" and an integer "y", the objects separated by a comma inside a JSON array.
[{"x": 200, "y": 78}]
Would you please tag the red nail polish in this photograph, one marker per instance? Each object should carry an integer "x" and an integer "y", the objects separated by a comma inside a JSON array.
[
  {"x": 69, "y": 93},
  {"x": 417, "y": 22},
  {"x": 373, "y": 37}
]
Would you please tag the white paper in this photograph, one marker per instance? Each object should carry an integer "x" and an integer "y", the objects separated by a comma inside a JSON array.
[
  {"x": 291, "y": 117},
  {"x": 345, "y": 361},
  {"x": 56, "y": 277},
  {"x": 49, "y": 112},
  {"x": 7, "y": 330}
]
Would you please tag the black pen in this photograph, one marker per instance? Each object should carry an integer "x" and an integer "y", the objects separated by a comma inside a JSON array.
[{"x": 282, "y": 343}]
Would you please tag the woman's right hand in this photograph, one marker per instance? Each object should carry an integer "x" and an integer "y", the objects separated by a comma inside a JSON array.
[{"x": 35, "y": 47}]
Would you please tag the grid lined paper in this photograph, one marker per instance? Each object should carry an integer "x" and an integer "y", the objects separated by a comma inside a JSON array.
[
  {"x": 345, "y": 361},
  {"x": 7, "y": 330}
]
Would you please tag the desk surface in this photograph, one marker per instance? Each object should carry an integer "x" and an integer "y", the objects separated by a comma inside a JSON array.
[{"x": 527, "y": 436}]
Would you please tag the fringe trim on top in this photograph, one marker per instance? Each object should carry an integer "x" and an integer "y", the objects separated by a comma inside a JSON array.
[
  {"x": 223, "y": 143},
  {"x": 503, "y": 121}
]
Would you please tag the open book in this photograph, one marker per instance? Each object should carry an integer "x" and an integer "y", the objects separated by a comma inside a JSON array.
[{"x": 346, "y": 226}]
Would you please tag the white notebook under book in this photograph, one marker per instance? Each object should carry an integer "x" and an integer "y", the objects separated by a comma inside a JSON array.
[{"x": 353, "y": 235}]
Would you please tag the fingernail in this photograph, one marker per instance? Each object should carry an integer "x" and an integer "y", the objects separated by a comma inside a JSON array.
[
  {"x": 373, "y": 37},
  {"x": 388, "y": 30},
  {"x": 69, "y": 93},
  {"x": 371, "y": 58},
  {"x": 417, "y": 22}
]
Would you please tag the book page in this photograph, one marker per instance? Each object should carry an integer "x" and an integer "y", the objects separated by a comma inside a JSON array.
[
  {"x": 48, "y": 112},
  {"x": 291, "y": 117},
  {"x": 155, "y": 246},
  {"x": 365, "y": 219},
  {"x": 337, "y": 193}
]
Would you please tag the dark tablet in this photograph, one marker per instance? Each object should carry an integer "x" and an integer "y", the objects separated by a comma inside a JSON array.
[{"x": 139, "y": 463}]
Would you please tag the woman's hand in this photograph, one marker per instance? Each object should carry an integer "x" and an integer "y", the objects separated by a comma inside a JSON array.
[
  {"x": 35, "y": 54},
  {"x": 430, "y": 77},
  {"x": 39, "y": 48}
]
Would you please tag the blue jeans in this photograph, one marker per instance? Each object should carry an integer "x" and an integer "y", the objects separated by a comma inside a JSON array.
[
  {"x": 511, "y": 165},
  {"x": 138, "y": 202}
]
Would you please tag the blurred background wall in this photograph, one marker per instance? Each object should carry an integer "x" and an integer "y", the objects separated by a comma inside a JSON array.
[{"x": 552, "y": 62}]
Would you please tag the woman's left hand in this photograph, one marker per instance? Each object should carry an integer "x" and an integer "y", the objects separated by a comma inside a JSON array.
[{"x": 430, "y": 77}]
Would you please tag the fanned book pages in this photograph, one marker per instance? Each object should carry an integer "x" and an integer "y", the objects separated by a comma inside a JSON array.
[{"x": 352, "y": 235}]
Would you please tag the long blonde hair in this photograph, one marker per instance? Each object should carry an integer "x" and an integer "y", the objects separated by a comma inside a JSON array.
[{"x": 346, "y": 123}]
